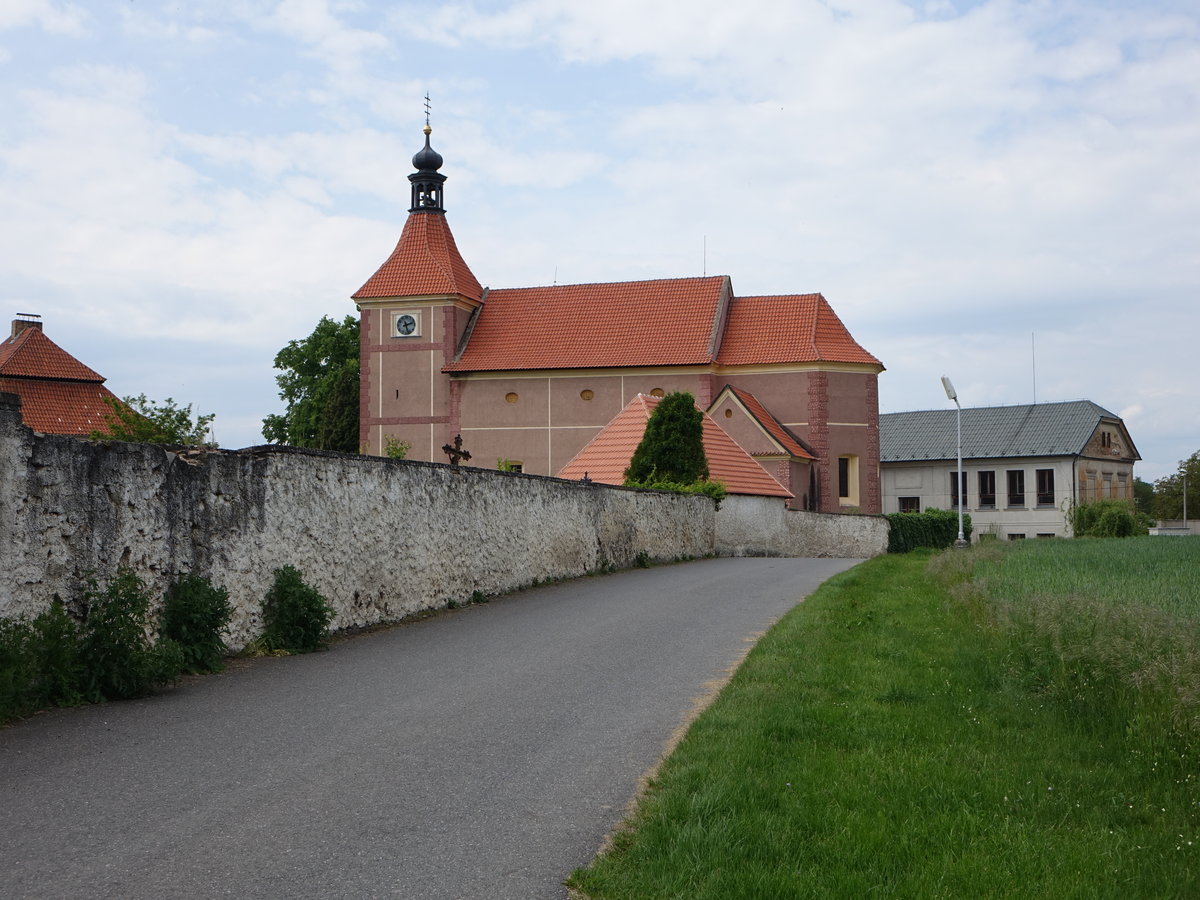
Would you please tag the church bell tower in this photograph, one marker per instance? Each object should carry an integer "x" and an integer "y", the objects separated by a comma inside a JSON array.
[{"x": 414, "y": 311}]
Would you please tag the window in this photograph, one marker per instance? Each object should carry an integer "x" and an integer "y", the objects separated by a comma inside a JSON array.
[
  {"x": 1045, "y": 534},
  {"x": 1108, "y": 486},
  {"x": 1123, "y": 486},
  {"x": 848, "y": 480},
  {"x": 1016, "y": 537},
  {"x": 1045, "y": 487},
  {"x": 586, "y": 394},
  {"x": 954, "y": 485},
  {"x": 1016, "y": 488},
  {"x": 987, "y": 490},
  {"x": 1105, "y": 439},
  {"x": 910, "y": 504},
  {"x": 511, "y": 397},
  {"x": 658, "y": 392}
]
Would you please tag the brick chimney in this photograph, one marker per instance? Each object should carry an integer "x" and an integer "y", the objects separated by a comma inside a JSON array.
[{"x": 26, "y": 320}]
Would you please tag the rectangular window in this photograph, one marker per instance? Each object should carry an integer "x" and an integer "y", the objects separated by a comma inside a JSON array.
[
  {"x": 987, "y": 490},
  {"x": 910, "y": 504},
  {"x": 1108, "y": 486},
  {"x": 1016, "y": 487},
  {"x": 1045, "y": 534},
  {"x": 1123, "y": 486},
  {"x": 1016, "y": 537},
  {"x": 1045, "y": 487},
  {"x": 843, "y": 476},
  {"x": 954, "y": 485}
]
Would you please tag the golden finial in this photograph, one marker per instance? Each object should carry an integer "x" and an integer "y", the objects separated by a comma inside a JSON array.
[{"x": 428, "y": 131}]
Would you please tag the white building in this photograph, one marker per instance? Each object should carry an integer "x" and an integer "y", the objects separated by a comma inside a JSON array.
[{"x": 1024, "y": 467}]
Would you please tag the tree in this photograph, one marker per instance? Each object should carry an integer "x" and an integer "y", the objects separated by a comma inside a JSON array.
[
  {"x": 319, "y": 384},
  {"x": 143, "y": 421},
  {"x": 1143, "y": 496},
  {"x": 1168, "y": 491},
  {"x": 672, "y": 448}
]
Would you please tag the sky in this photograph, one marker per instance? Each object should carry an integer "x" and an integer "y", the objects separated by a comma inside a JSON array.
[{"x": 1006, "y": 192}]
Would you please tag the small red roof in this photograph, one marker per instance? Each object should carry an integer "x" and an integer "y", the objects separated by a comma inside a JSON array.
[
  {"x": 61, "y": 407},
  {"x": 770, "y": 424},
  {"x": 59, "y": 394},
  {"x": 786, "y": 329},
  {"x": 30, "y": 354},
  {"x": 426, "y": 261},
  {"x": 606, "y": 457},
  {"x": 665, "y": 322}
]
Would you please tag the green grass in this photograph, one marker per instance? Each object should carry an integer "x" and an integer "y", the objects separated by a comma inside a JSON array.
[
  {"x": 1147, "y": 571},
  {"x": 883, "y": 741}
]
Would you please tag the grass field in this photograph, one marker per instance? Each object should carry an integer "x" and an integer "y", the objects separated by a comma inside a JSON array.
[{"x": 909, "y": 731}]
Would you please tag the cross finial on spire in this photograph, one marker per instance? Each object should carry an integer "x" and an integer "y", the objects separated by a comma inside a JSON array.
[{"x": 427, "y": 108}]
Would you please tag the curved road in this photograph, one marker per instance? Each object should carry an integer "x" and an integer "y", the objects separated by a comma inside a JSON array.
[{"x": 483, "y": 753}]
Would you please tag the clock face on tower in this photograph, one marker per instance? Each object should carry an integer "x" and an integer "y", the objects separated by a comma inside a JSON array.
[{"x": 406, "y": 325}]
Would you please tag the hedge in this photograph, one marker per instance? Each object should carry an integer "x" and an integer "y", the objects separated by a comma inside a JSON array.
[{"x": 935, "y": 528}]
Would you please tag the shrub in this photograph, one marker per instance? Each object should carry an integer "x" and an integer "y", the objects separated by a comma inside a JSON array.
[
  {"x": 1103, "y": 518},
  {"x": 394, "y": 448},
  {"x": 672, "y": 447},
  {"x": 936, "y": 528},
  {"x": 59, "y": 673},
  {"x": 295, "y": 615},
  {"x": 193, "y": 615},
  {"x": 118, "y": 658},
  {"x": 16, "y": 668}
]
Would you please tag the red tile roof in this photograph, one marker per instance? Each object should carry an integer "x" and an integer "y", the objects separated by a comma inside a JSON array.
[
  {"x": 787, "y": 329},
  {"x": 607, "y": 455},
  {"x": 60, "y": 407},
  {"x": 770, "y": 424},
  {"x": 666, "y": 322},
  {"x": 59, "y": 394},
  {"x": 425, "y": 261},
  {"x": 31, "y": 354}
]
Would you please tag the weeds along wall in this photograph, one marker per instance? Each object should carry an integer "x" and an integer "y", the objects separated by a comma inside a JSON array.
[{"x": 380, "y": 538}]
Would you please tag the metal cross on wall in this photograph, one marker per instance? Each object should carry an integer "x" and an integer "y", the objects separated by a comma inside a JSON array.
[{"x": 455, "y": 451}]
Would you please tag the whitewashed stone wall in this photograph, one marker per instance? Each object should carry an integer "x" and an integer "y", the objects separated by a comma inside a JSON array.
[
  {"x": 760, "y": 526},
  {"x": 381, "y": 539}
]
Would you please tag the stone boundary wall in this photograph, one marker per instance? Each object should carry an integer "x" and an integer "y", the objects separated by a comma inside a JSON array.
[
  {"x": 760, "y": 526},
  {"x": 381, "y": 539}
]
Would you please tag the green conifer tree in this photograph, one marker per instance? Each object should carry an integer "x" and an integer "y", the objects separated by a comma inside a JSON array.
[{"x": 672, "y": 449}]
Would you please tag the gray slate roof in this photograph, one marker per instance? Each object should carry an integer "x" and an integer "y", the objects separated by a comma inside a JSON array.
[{"x": 1036, "y": 429}]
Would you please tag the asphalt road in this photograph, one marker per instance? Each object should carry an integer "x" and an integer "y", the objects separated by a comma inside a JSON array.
[{"x": 483, "y": 753}]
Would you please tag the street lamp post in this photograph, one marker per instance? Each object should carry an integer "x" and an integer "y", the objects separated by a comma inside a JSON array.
[{"x": 953, "y": 395}]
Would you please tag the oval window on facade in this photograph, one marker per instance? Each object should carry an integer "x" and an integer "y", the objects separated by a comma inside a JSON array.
[
  {"x": 511, "y": 397},
  {"x": 586, "y": 395},
  {"x": 658, "y": 392}
]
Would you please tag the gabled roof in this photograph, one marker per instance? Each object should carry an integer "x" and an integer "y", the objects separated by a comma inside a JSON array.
[
  {"x": 1041, "y": 429},
  {"x": 665, "y": 322},
  {"x": 786, "y": 329},
  {"x": 787, "y": 441},
  {"x": 426, "y": 261},
  {"x": 61, "y": 407},
  {"x": 607, "y": 455},
  {"x": 30, "y": 354}
]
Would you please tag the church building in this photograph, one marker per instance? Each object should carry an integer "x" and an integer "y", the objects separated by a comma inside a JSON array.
[{"x": 530, "y": 375}]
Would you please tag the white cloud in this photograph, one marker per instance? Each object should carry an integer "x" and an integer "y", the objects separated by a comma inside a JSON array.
[{"x": 58, "y": 18}]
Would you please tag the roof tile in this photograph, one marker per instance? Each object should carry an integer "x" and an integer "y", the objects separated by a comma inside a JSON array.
[
  {"x": 626, "y": 323},
  {"x": 772, "y": 425},
  {"x": 606, "y": 457},
  {"x": 1041, "y": 429},
  {"x": 31, "y": 354},
  {"x": 426, "y": 261},
  {"x": 61, "y": 407},
  {"x": 786, "y": 329}
]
